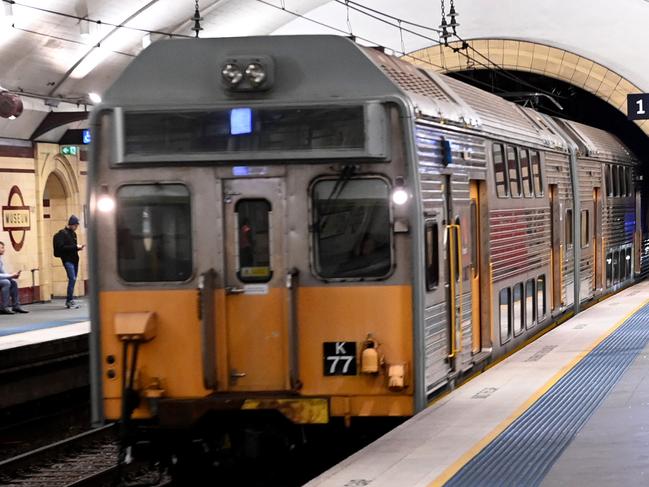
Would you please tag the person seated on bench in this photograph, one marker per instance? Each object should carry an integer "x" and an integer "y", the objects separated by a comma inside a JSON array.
[{"x": 9, "y": 288}]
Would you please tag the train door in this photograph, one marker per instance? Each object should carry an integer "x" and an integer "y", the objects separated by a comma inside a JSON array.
[
  {"x": 556, "y": 257},
  {"x": 458, "y": 233},
  {"x": 598, "y": 255},
  {"x": 255, "y": 286}
]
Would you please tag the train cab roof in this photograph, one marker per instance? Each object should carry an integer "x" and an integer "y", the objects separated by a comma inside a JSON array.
[{"x": 299, "y": 69}]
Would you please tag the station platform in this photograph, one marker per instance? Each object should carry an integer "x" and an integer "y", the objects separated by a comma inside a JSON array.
[
  {"x": 44, "y": 322},
  {"x": 571, "y": 408}
]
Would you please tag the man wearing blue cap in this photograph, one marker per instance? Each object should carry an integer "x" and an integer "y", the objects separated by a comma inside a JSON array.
[{"x": 66, "y": 247}]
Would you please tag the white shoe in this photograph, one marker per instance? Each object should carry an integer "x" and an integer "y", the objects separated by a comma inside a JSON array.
[{"x": 72, "y": 305}]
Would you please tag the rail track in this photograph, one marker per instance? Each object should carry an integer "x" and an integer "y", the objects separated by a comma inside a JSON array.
[{"x": 88, "y": 459}]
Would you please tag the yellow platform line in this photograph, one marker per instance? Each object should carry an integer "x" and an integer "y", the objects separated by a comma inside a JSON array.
[{"x": 447, "y": 474}]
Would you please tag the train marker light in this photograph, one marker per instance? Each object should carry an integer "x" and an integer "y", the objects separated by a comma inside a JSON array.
[{"x": 105, "y": 203}]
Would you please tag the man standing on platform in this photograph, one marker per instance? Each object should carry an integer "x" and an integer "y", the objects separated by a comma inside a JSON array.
[
  {"x": 66, "y": 247},
  {"x": 9, "y": 288}
]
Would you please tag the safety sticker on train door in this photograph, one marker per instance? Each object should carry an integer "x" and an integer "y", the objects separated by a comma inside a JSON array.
[{"x": 339, "y": 358}]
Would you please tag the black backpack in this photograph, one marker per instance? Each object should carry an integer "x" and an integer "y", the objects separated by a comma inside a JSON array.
[{"x": 57, "y": 244}]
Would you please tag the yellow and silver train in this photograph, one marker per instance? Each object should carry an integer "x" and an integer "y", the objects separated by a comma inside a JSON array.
[{"x": 313, "y": 229}]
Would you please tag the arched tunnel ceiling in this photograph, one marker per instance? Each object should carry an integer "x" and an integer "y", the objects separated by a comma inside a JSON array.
[{"x": 601, "y": 39}]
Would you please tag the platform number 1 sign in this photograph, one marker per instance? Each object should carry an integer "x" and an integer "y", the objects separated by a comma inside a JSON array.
[{"x": 638, "y": 106}]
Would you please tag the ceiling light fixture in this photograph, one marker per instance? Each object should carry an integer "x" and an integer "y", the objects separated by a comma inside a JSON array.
[
  {"x": 84, "y": 27},
  {"x": 9, "y": 9},
  {"x": 94, "y": 97}
]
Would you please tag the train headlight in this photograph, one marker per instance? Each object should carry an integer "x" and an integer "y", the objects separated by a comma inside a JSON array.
[
  {"x": 399, "y": 196},
  {"x": 256, "y": 74},
  {"x": 248, "y": 73},
  {"x": 232, "y": 74},
  {"x": 105, "y": 203}
]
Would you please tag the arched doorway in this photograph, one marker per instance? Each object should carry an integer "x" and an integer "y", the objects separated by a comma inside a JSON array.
[{"x": 57, "y": 206}]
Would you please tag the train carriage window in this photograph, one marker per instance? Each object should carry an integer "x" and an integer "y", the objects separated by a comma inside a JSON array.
[
  {"x": 627, "y": 258},
  {"x": 541, "y": 298},
  {"x": 432, "y": 255},
  {"x": 500, "y": 173},
  {"x": 615, "y": 176},
  {"x": 568, "y": 227},
  {"x": 609, "y": 270},
  {"x": 518, "y": 314},
  {"x": 629, "y": 181},
  {"x": 514, "y": 172},
  {"x": 623, "y": 181},
  {"x": 351, "y": 228},
  {"x": 253, "y": 242},
  {"x": 530, "y": 303},
  {"x": 505, "y": 315},
  {"x": 585, "y": 228},
  {"x": 526, "y": 173},
  {"x": 607, "y": 180},
  {"x": 535, "y": 160},
  {"x": 154, "y": 232}
]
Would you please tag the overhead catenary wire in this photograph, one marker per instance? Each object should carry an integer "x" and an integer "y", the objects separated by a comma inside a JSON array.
[
  {"x": 365, "y": 39},
  {"x": 492, "y": 65}
]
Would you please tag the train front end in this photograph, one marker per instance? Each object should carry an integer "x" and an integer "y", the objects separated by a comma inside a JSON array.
[{"x": 251, "y": 255}]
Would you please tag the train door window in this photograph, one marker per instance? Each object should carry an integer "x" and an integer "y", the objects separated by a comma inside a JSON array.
[
  {"x": 609, "y": 270},
  {"x": 526, "y": 173},
  {"x": 475, "y": 232},
  {"x": 505, "y": 315},
  {"x": 351, "y": 228},
  {"x": 530, "y": 308},
  {"x": 519, "y": 314},
  {"x": 568, "y": 227},
  {"x": 514, "y": 172},
  {"x": 607, "y": 180},
  {"x": 627, "y": 258},
  {"x": 457, "y": 250},
  {"x": 154, "y": 235},
  {"x": 585, "y": 227},
  {"x": 500, "y": 172},
  {"x": 535, "y": 161},
  {"x": 616, "y": 267},
  {"x": 432, "y": 255},
  {"x": 253, "y": 240},
  {"x": 540, "y": 298},
  {"x": 623, "y": 181}
]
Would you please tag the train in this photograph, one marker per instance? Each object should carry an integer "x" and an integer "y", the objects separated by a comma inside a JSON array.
[{"x": 306, "y": 230}]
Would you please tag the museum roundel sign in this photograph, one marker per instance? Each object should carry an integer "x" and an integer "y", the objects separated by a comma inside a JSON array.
[{"x": 16, "y": 218}]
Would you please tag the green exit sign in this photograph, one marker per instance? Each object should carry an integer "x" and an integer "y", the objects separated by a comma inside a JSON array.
[{"x": 69, "y": 150}]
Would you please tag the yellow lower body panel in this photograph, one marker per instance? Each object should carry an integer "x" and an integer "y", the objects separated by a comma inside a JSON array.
[
  {"x": 299, "y": 411},
  {"x": 400, "y": 405}
]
